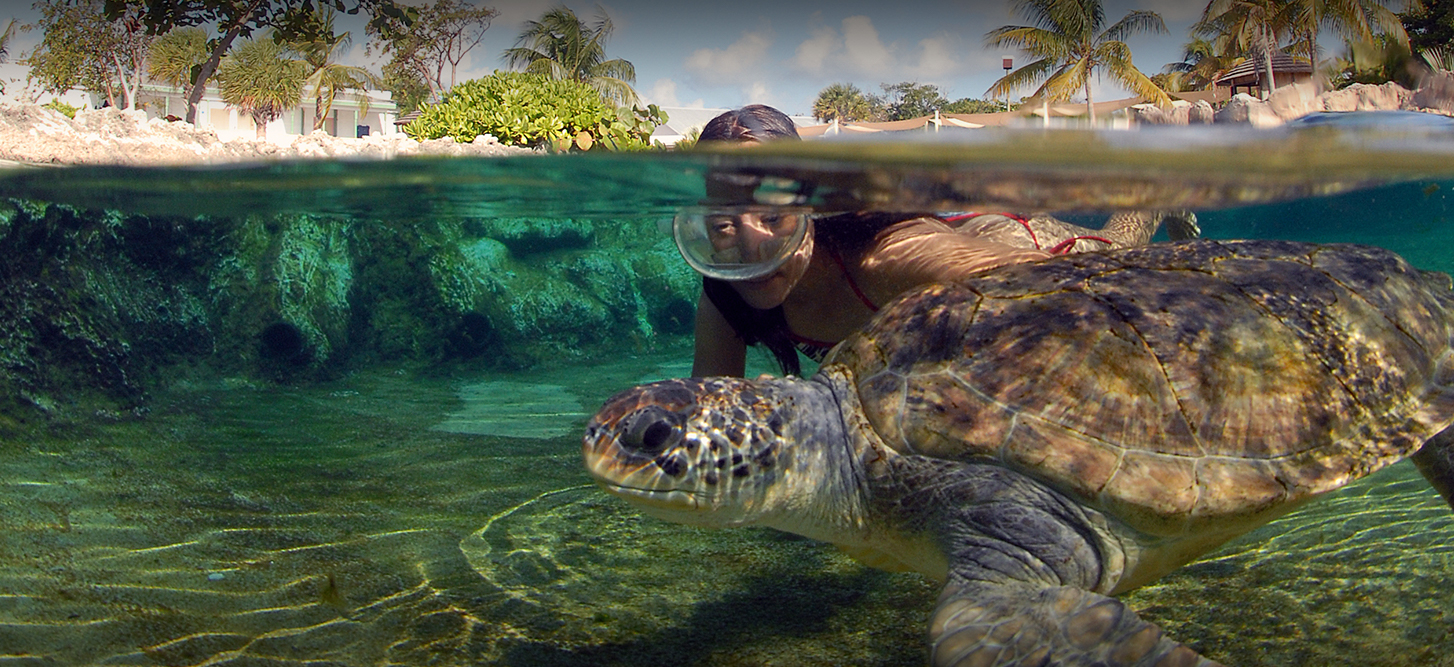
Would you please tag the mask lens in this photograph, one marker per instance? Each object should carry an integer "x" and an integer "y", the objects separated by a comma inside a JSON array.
[{"x": 739, "y": 243}]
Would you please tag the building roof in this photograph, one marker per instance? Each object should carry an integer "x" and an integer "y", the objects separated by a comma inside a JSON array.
[{"x": 1250, "y": 71}]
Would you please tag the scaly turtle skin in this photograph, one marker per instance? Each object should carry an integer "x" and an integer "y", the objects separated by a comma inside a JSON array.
[
  {"x": 1047, "y": 435},
  {"x": 1124, "y": 229}
]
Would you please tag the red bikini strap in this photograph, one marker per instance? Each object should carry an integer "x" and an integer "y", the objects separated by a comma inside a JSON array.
[{"x": 832, "y": 252}]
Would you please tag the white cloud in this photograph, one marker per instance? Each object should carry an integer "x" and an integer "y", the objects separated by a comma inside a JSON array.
[
  {"x": 814, "y": 52},
  {"x": 858, "y": 52},
  {"x": 864, "y": 50},
  {"x": 758, "y": 93},
  {"x": 663, "y": 93},
  {"x": 937, "y": 59},
  {"x": 738, "y": 63}
]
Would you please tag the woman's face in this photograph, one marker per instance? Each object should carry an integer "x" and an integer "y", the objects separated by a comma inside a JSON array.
[{"x": 754, "y": 235}]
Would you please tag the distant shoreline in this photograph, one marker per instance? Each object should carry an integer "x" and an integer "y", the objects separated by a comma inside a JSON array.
[{"x": 32, "y": 135}]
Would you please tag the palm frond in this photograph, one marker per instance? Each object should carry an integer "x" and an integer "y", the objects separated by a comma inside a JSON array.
[
  {"x": 615, "y": 90},
  {"x": 1023, "y": 77},
  {"x": 1116, "y": 57},
  {"x": 1136, "y": 22}
]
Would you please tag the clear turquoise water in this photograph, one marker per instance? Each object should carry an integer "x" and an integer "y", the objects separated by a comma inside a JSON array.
[{"x": 406, "y": 512}]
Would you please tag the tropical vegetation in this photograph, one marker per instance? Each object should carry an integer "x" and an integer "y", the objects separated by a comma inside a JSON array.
[
  {"x": 261, "y": 80},
  {"x": 848, "y": 103},
  {"x": 291, "y": 20},
  {"x": 82, "y": 48},
  {"x": 1429, "y": 25},
  {"x": 1069, "y": 44},
  {"x": 174, "y": 55},
  {"x": 426, "y": 48},
  {"x": 1201, "y": 64},
  {"x": 326, "y": 77},
  {"x": 845, "y": 103},
  {"x": 562, "y": 46},
  {"x": 528, "y": 109},
  {"x": 971, "y": 105}
]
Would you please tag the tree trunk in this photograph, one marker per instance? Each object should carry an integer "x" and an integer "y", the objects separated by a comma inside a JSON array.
[
  {"x": 318, "y": 112},
  {"x": 1270, "y": 84},
  {"x": 1090, "y": 105},
  {"x": 199, "y": 86}
]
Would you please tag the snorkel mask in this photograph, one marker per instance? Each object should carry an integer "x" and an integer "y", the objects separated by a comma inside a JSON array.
[
  {"x": 759, "y": 227},
  {"x": 740, "y": 242}
]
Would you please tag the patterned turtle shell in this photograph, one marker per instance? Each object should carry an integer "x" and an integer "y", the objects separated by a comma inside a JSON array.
[{"x": 1256, "y": 375}]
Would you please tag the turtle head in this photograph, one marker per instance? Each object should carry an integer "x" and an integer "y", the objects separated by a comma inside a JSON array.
[{"x": 718, "y": 452}]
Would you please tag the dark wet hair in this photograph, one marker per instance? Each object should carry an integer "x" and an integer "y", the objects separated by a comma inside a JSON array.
[
  {"x": 847, "y": 234},
  {"x": 754, "y": 122}
]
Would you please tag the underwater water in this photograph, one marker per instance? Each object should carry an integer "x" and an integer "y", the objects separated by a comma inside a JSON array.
[{"x": 330, "y": 413}]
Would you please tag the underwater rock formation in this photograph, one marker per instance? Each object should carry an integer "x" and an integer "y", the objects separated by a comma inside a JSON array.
[{"x": 97, "y": 308}]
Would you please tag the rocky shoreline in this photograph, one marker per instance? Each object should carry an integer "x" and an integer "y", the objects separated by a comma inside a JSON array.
[
  {"x": 1435, "y": 95},
  {"x": 39, "y": 136}
]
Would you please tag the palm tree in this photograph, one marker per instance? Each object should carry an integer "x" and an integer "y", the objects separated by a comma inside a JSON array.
[
  {"x": 174, "y": 54},
  {"x": 562, "y": 46},
  {"x": 1200, "y": 65},
  {"x": 260, "y": 80},
  {"x": 5, "y": 39},
  {"x": 1068, "y": 45},
  {"x": 1360, "y": 21},
  {"x": 843, "y": 102},
  {"x": 1252, "y": 27},
  {"x": 326, "y": 77},
  {"x": 1438, "y": 58}
]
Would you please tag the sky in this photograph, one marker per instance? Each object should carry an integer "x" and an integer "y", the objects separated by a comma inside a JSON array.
[{"x": 727, "y": 54}]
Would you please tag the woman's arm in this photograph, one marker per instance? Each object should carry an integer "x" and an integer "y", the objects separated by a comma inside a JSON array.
[
  {"x": 921, "y": 251},
  {"x": 718, "y": 349}
]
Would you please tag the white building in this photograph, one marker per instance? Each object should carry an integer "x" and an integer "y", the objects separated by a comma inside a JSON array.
[{"x": 352, "y": 115}]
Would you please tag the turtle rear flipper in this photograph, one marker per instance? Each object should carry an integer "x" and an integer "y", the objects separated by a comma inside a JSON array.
[
  {"x": 1181, "y": 225},
  {"x": 1436, "y": 461},
  {"x": 1004, "y": 625}
]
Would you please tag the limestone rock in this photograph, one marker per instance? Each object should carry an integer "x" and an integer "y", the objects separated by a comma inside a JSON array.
[
  {"x": 1436, "y": 93},
  {"x": 1295, "y": 101},
  {"x": 1201, "y": 113},
  {"x": 1364, "y": 97},
  {"x": 1245, "y": 109},
  {"x": 34, "y": 134}
]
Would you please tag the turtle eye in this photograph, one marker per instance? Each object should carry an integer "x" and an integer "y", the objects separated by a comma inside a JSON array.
[{"x": 651, "y": 430}]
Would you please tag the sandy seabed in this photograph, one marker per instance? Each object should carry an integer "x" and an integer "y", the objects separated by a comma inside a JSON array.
[{"x": 393, "y": 519}]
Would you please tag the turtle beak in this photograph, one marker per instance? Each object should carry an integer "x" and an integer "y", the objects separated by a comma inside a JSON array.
[{"x": 696, "y": 451}]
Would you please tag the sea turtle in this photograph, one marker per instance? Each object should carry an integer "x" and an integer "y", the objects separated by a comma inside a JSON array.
[
  {"x": 1123, "y": 229},
  {"x": 1043, "y": 436}
]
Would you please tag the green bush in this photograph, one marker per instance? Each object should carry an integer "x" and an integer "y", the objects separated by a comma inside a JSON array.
[
  {"x": 62, "y": 107},
  {"x": 522, "y": 109}
]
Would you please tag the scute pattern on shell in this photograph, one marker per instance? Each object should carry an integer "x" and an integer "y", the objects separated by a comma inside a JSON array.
[{"x": 1254, "y": 375}]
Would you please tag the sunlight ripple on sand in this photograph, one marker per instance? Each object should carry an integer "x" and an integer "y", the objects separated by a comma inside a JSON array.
[{"x": 515, "y": 410}]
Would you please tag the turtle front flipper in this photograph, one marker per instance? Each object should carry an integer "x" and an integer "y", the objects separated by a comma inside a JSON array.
[
  {"x": 1436, "y": 461},
  {"x": 988, "y": 624},
  {"x": 1181, "y": 225}
]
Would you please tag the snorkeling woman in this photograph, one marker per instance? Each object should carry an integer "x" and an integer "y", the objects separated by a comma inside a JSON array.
[{"x": 779, "y": 277}]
